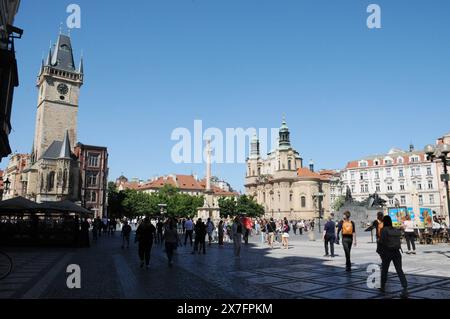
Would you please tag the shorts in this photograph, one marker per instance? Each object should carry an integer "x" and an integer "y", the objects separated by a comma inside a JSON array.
[{"x": 285, "y": 235}]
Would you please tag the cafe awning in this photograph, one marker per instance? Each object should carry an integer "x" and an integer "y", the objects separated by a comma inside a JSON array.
[
  {"x": 65, "y": 206},
  {"x": 18, "y": 204}
]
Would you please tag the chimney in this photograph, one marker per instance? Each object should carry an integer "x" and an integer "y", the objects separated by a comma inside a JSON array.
[{"x": 311, "y": 165}]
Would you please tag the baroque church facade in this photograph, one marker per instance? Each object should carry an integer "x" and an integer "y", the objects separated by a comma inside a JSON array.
[
  {"x": 281, "y": 184},
  {"x": 55, "y": 169}
]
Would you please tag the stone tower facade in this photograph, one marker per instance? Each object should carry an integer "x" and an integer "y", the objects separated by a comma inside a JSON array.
[{"x": 59, "y": 85}]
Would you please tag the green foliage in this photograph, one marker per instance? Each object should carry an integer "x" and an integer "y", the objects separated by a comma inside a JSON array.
[
  {"x": 227, "y": 206},
  {"x": 132, "y": 203},
  {"x": 338, "y": 203},
  {"x": 243, "y": 205}
]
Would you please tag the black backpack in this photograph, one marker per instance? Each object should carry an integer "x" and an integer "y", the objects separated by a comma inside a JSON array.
[{"x": 393, "y": 238}]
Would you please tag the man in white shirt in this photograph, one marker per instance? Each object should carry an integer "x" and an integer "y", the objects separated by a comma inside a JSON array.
[{"x": 189, "y": 228}]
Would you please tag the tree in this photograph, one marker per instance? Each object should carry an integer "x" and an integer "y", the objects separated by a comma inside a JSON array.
[
  {"x": 338, "y": 203},
  {"x": 227, "y": 206},
  {"x": 248, "y": 206}
]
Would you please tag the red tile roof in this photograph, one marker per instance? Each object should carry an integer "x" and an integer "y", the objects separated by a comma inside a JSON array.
[{"x": 306, "y": 173}]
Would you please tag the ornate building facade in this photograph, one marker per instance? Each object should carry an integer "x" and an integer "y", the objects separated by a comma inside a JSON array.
[
  {"x": 282, "y": 185},
  {"x": 395, "y": 176},
  {"x": 57, "y": 167}
]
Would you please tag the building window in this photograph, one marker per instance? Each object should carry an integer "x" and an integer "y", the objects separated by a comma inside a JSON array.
[
  {"x": 51, "y": 181},
  {"x": 429, "y": 173},
  {"x": 352, "y": 176},
  {"x": 361, "y": 176},
  {"x": 377, "y": 174},
  {"x": 419, "y": 186},
  {"x": 389, "y": 187},
  {"x": 403, "y": 200},
  {"x": 420, "y": 200},
  {"x": 400, "y": 172},
  {"x": 377, "y": 187},
  {"x": 289, "y": 164},
  {"x": 430, "y": 184},
  {"x": 388, "y": 172},
  {"x": 400, "y": 160},
  {"x": 391, "y": 201},
  {"x": 92, "y": 179},
  {"x": 303, "y": 201},
  {"x": 402, "y": 187},
  {"x": 93, "y": 160},
  {"x": 290, "y": 197},
  {"x": 431, "y": 199},
  {"x": 91, "y": 196},
  {"x": 353, "y": 188}
]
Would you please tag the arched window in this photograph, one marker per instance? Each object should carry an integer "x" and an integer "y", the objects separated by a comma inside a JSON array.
[
  {"x": 51, "y": 181},
  {"x": 303, "y": 201},
  {"x": 289, "y": 164}
]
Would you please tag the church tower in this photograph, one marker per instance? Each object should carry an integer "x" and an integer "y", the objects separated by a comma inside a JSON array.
[{"x": 59, "y": 85}]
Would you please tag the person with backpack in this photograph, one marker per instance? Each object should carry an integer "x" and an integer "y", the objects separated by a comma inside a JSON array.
[
  {"x": 378, "y": 226},
  {"x": 390, "y": 247},
  {"x": 237, "y": 229},
  {"x": 126, "y": 231},
  {"x": 271, "y": 228},
  {"x": 285, "y": 234},
  {"x": 347, "y": 228}
]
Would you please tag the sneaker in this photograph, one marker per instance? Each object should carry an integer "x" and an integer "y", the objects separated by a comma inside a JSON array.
[
  {"x": 414, "y": 252},
  {"x": 326, "y": 255},
  {"x": 408, "y": 252}
]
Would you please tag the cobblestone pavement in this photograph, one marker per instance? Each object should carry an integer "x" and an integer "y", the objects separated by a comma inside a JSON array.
[{"x": 107, "y": 271}]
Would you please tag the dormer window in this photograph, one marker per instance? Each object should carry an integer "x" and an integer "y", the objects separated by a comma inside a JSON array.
[{"x": 363, "y": 164}]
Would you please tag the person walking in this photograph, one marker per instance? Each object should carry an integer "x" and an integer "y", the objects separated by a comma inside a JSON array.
[
  {"x": 347, "y": 227},
  {"x": 200, "y": 234},
  {"x": 94, "y": 230},
  {"x": 189, "y": 230},
  {"x": 294, "y": 227},
  {"x": 410, "y": 236},
  {"x": 220, "y": 231},
  {"x": 378, "y": 226},
  {"x": 301, "y": 226},
  {"x": 329, "y": 236},
  {"x": 263, "y": 225},
  {"x": 285, "y": 234},
  {"x": 144, "y": 236},
  {"x": 271, "y": 229},
  {"x": 126, "y": 231},
  {"x": 170, "y": 240},
  {"x": 159, "y": 228},
  {"x": 390, "y": 243},
  {"x": 210, "y": 229},
  {"x": 237, "y": 230}
]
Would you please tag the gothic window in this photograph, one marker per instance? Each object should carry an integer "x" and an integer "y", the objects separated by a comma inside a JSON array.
[
  {"x": 65, "y": 177},
  {"x": 259, "y": 171},
  {"x": 91, "y": 196},
  {"x": 290, "y": 197},
  {"x": 92, "y": 178},
  {"x": 51, "y": 181},
  {"x": 303, "y": 201},
  {"x": 93, "y": 159},
  {"x": 289, "y": 164}
]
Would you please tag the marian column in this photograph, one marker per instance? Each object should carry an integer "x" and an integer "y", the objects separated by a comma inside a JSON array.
[{"x": 209, "y": 209}]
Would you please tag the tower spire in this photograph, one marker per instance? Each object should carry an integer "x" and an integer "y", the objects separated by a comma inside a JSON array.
[{"x": 65, "y": 147}]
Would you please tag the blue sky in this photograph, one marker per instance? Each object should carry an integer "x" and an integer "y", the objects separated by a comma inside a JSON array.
[{"x": 153, "y": 66}]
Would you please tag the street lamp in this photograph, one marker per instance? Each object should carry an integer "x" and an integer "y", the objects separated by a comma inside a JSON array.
[
  {"x": 436, "y": 153},
  {"x": 162, "y": 207}
]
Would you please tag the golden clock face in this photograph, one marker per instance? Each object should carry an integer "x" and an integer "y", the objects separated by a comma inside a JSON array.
[{"x": 62, "y": 89}]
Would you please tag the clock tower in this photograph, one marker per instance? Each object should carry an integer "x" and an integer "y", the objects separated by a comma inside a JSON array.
[{"x": 59, "y": 85}]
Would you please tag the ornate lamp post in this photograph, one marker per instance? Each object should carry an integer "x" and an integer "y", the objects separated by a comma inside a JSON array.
[
  {"x": 6, "y": 186},
  {"x": 439, "y": 153}
]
